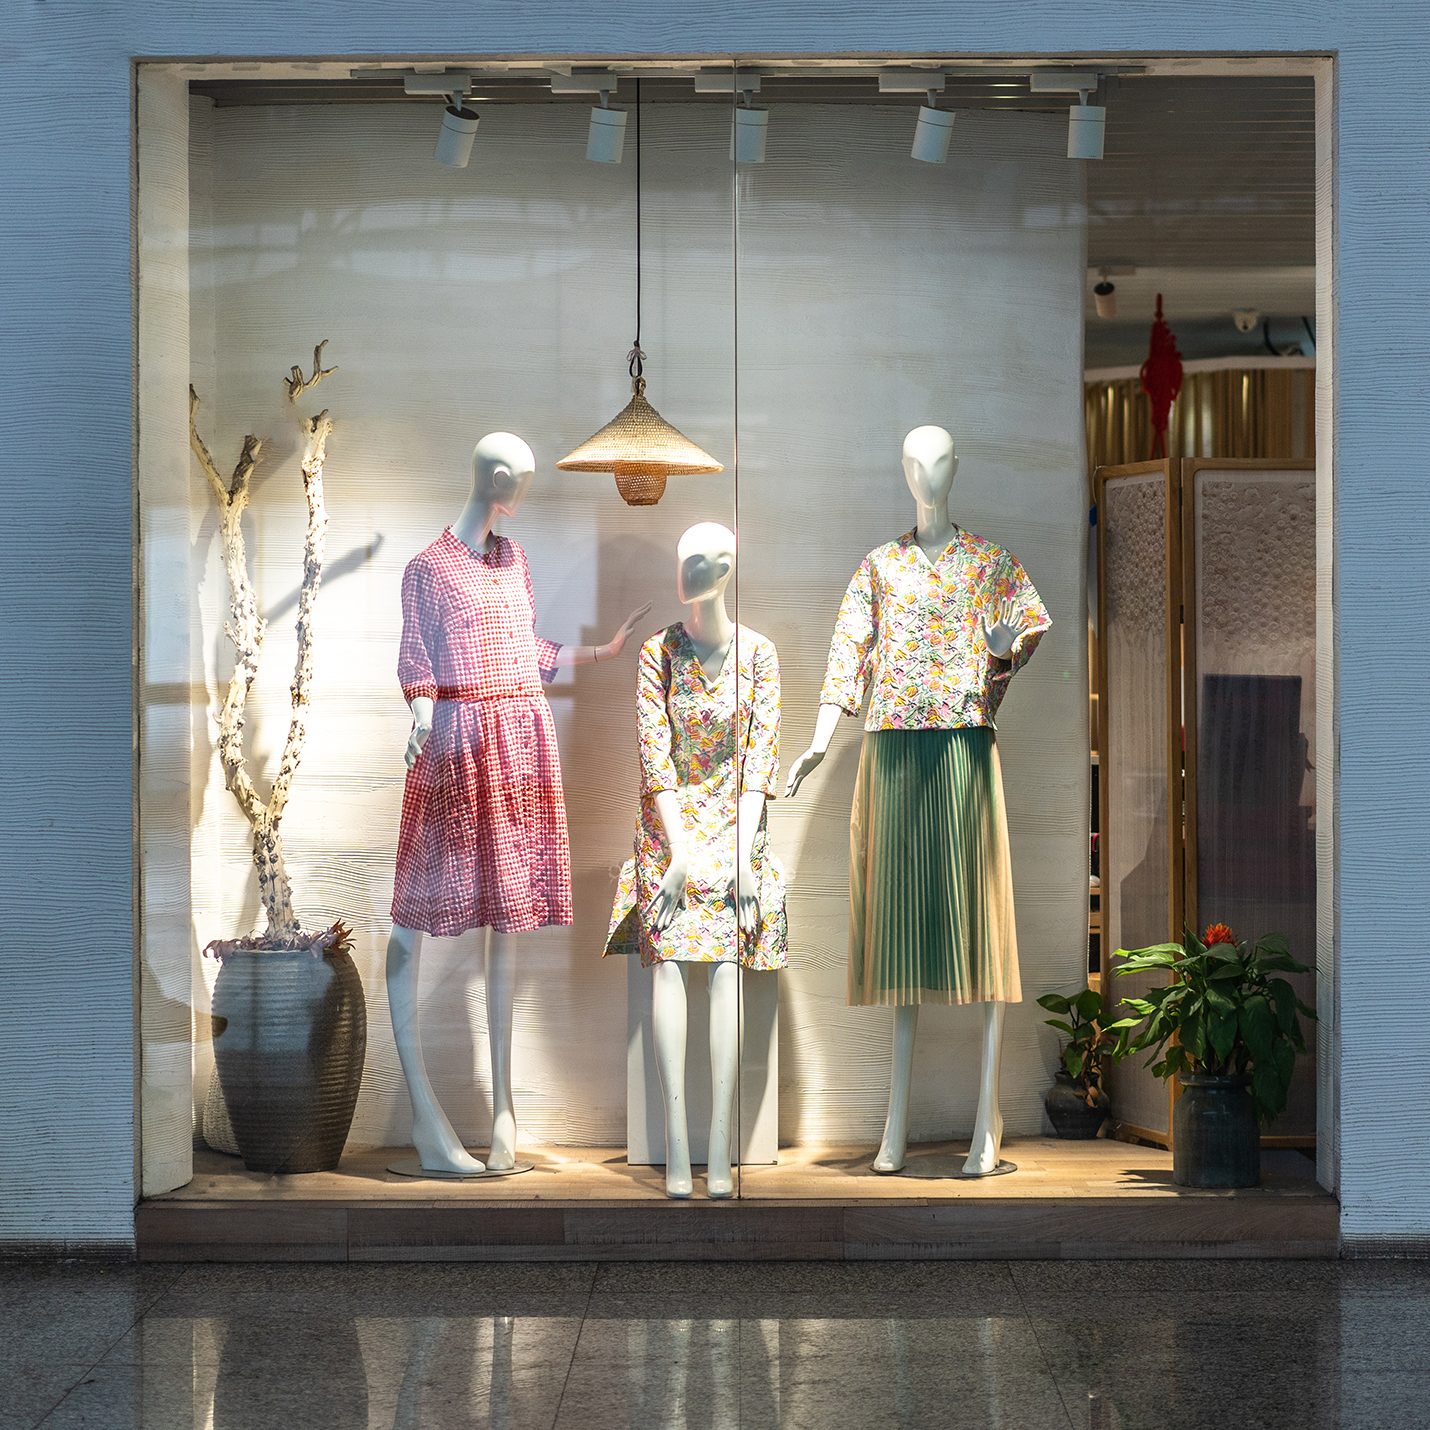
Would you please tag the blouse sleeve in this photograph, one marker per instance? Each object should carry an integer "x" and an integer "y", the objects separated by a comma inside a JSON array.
[
  {"x": 1011, "y": 581},
  {"x": 545, "y": 650},
  {"x": 846, "y": 676},
  {"x": 760, "y": 767},
  {"x": 414, "y": 656},
  {"x": 653, "y": 720}
]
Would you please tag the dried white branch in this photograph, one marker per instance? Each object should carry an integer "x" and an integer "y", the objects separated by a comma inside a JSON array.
[{"x": 245, "y": 630}]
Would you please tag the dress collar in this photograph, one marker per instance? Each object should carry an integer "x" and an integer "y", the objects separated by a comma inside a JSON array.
[{"x": 487, "y": 557}]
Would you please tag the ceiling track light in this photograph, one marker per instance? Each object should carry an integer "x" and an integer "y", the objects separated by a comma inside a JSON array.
[
  {"x": 606, "y": 131},
  {"x": 751, "y": 123},
  {"x": 1104, "y": 295},
  {"x": 752, "y": 127},
  {"x": 459, "y": 124},
  {"x": 1087, "y": 123},
  {"x": 935, "y": 126}
]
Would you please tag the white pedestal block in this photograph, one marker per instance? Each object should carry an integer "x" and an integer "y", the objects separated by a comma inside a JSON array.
[{"x": 758, "y": 1129}]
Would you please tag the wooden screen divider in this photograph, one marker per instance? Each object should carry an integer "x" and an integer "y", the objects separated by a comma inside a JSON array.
[{"x": 1180, "y": 677}]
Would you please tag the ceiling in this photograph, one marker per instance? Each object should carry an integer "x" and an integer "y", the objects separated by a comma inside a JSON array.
[{"x": 1206, "y": 190}]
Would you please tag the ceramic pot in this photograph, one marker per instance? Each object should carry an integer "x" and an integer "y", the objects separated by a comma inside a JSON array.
[
  {"x": 290, "y": 1055},
  {"x": 1068, "y": 1111},
  {"x": 1215, "y": 1139}
]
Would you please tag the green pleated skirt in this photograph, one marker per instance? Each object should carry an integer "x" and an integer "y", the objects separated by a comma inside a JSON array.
[{"x": 930, "y": 877}]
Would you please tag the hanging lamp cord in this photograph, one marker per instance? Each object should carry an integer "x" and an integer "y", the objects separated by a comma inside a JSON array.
[{"x": 636, "y": 357}]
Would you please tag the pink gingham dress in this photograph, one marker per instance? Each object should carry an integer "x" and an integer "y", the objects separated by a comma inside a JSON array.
[{"x": 483, "y": 840}]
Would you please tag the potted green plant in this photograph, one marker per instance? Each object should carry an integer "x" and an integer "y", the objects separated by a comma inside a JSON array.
[
  {"x": 1228, "y": 1025},
  {"x": 1077, "y": 1103}
]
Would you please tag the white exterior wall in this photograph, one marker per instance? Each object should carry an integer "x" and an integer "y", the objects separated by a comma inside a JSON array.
[{"x": 67, "y": 1030}]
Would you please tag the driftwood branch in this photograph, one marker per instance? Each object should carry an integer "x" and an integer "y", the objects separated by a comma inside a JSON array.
[
  {"x": 297, "y": 384},
  {"x": 245, "y": 629}
]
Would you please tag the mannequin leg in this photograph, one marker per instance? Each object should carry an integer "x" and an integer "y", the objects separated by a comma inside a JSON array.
[
  {"x": 901, "y": 1078},
  {"x": 988, "y": 1125},
  {"x": 668, "y": 1016},
  {"x": 724, "y": 1075},
  {"x": 438, "y": 1146},
  {"x": 501, "y": 997}
]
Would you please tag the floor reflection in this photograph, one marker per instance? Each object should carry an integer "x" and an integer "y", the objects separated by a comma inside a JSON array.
[{"x": 1096, "y": 1346}]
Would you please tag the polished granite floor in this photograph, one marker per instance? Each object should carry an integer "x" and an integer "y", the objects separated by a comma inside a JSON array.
[{"x": 1101, "y": 1345}]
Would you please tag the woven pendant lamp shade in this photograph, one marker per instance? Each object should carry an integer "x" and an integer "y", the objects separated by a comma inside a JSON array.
[{"x": 641, "y": 449}]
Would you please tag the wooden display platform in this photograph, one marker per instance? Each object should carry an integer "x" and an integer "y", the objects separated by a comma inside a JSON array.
[{"x": 1067, "y": 1199}]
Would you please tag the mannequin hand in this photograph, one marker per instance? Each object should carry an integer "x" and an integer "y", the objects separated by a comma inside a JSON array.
[
  {"x": 745, "y": 890},
  {"x": 670, "y": 897},
  {"x": 617, "y": 642},
  {"x": 415, "y": 742},
  {"x": 808, "y": 761},
  {"x": 1003, "y": 631}
]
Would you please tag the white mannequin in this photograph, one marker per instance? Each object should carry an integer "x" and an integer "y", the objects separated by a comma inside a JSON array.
[
  {"x": 930, "y": 464},
  {"x": 502, "y": 470},
  {"x": 705, "y": 559}
]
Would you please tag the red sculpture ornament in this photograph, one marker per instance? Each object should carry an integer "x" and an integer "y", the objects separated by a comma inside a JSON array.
[{"x": 1161, "y": 379}]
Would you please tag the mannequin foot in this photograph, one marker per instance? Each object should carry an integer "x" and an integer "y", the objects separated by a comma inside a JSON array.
[
  {"x": 439, "y": 1150},
  {"x": 678, "y": 1180},
  {"x": 719, "y": 1181},
  {"x": 983, "y": 1150},
  {"x": 890, "y": 1156},
  {"x": 502, "y": 1157}
]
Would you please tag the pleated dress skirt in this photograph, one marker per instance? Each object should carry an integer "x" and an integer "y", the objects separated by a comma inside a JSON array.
[{"x": 930, "y": 876}]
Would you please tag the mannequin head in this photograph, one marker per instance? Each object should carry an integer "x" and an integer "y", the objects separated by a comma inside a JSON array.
[
  {"x": 705, "y": 558},
  {"x": 502, "y": 469},
  {"x": 929, "y": 465}
]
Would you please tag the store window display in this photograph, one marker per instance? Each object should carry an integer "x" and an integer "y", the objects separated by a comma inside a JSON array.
[
  {"x": 703, "y": 886},
  {"x": 483, "y": 842},
  {"x": 931, "y": 630},
  {"x": 484, "y": 880}
]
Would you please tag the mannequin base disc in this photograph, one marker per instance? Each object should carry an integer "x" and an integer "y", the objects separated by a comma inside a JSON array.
[
  {"x": 1001, "y": 1170},
  {"x": 412, "y": 1167}
]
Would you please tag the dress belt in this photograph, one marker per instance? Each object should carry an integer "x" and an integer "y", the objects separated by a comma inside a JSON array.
[{"x": 476, "y": 692}]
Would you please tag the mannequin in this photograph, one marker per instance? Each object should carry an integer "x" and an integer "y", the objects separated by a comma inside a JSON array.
[
  {"x": 979, "y": 653},
  {"x": 702, "y": 887},
  {"x": 470, "y": 552}
]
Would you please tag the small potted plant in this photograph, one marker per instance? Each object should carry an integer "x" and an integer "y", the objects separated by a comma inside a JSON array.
[
  {"x": 1077, "y": 1103},
  {"x": 1229, "y": 1027}
]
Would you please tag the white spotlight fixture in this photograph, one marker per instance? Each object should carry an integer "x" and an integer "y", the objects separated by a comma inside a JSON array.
[
  {"x": 752, "y": 126},
  {"x": 932, "y": 133},
  {"x": 459, "y": 124},
  {"x": 1104, "y": 295},
  {"x": 606, "y": 133},
  {"x": 1087, "y": 123},
  {"x": 606, "y": 137},
  {"x": 454, "y": 138},
  {"x": 935, "y": 126}
]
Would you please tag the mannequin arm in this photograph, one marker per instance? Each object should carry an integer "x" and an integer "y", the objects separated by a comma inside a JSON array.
[
  {"x": 589, "y": 654},
  {"x": 421, "y": 706},
  {"x": 824, "y": 728},
  {"x": 670, "y": 897}
]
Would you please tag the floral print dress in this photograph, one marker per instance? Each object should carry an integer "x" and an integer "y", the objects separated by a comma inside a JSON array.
[{"x": 709, "y": 740}]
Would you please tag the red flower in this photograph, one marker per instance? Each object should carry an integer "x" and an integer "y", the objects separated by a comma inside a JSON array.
[{"x": 1218, "y": 933}]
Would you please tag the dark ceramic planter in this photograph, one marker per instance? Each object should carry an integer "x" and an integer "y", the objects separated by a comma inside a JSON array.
[
  {"x": 1215, "y": 1139},
  {"x": 1068, "y": 1111},
  {"x": 290, "y": 1055}
]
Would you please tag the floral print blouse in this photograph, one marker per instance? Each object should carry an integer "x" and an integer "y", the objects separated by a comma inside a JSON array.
[
  {"x": 910, "y": 635},
  {"x": 710, "y": 739}
]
